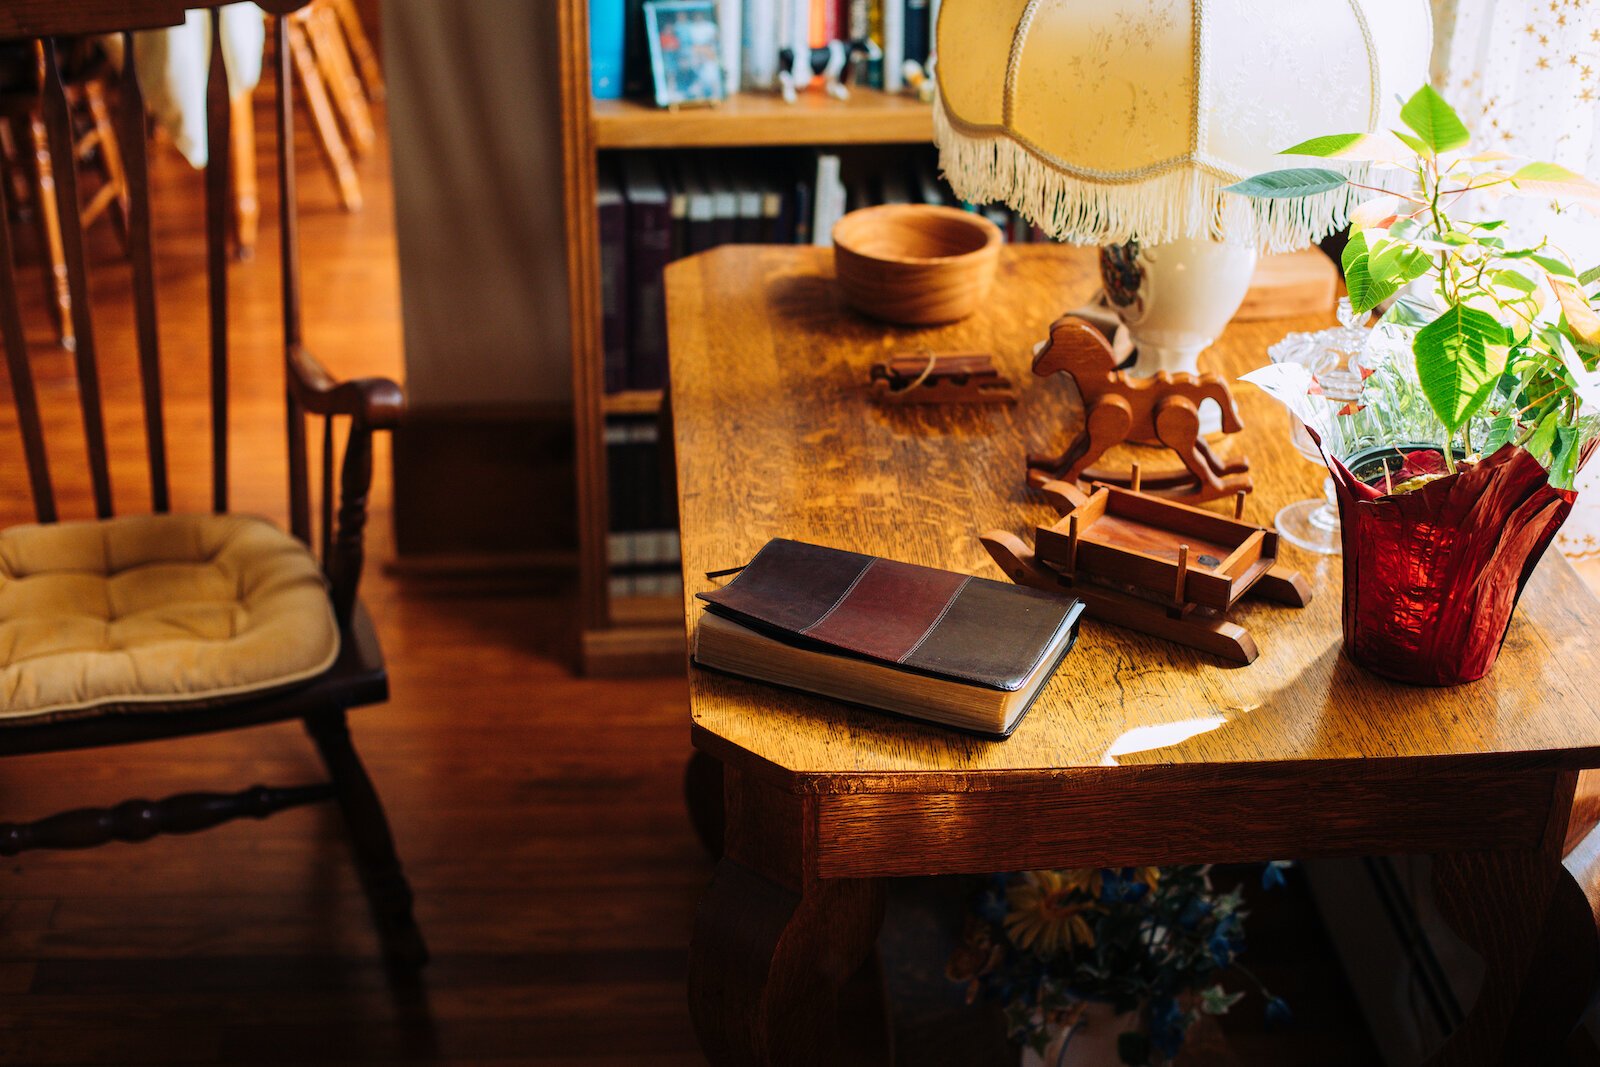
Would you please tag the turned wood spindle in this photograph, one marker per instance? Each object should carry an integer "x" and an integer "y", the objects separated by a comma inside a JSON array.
[
  {"x": 1238, "y": 505},
  {"x": 1136, "y": 477},
  {"x": 1183, "y": 574},
  {"x": 1072, "y": 544}
]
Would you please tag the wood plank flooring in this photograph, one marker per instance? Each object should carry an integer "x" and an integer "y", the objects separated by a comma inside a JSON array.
[{"x": 539, "y": 815}]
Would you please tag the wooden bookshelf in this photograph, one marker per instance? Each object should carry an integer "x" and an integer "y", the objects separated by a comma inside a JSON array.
[
  {"x": 763, "y": 119},
  {"x": 640, "y": 635}
]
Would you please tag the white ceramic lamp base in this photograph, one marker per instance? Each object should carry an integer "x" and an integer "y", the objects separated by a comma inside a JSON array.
[{"x": 1175, "y": 298}]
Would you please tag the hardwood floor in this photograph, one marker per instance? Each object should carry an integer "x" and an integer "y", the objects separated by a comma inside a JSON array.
[{"x": 539, "y": 815}]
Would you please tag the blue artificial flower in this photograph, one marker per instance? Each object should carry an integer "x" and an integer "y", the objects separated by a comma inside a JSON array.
[
  {"x": 1168, "y": 1025},
  {"x": 1226, "y": 941},
  {"x": 1118, "y": 886},
  {"x": 1195, "y": 911},
  {"x": 1278, "y": 1013},
  {"x": 1272, "y": 876},
  {"x": 1220, "y": 947}
]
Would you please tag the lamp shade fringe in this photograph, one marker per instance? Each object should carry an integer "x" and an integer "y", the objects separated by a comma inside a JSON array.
[{"x": 1186, "y": 200}]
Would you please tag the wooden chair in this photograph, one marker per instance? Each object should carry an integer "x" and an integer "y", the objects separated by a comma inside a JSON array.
[
  {"x": 87, "y": 83},
  {"x": 134, "y": 572},
  {"x": 321, "y": 43}
]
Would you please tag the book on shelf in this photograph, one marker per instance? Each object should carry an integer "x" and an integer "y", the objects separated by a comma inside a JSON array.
[
  {"x": 615, "y": 282},
  {"x": 828, "y": 199},
  {"x": 730, "y": 30},
  {"x": 759, "y": 42},
  {"x": 642, "y": 538},
  {"x": 894, "y": 45},
  {"x": 918, "y": 33},
  {"x": 607, "y": 36},
  {"x": 649, "y": 218},
  {"x": 929, "y": 644}
]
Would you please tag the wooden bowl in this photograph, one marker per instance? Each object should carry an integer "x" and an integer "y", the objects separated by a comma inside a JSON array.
[{"x": 915, "y": 264}]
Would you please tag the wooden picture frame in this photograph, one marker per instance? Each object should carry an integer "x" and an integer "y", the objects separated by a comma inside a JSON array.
[{"x": 685, "y": 52}]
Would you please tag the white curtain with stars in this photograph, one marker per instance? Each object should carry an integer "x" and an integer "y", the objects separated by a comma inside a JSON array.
[{"x": 1525, "y": 76}]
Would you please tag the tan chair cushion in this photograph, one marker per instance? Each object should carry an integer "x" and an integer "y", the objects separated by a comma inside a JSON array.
[{"x": 155, "y": 612}]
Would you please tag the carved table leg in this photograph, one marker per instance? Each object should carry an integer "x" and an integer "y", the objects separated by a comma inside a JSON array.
[
  {"x": 772, "y": 942},
  {"x": 1528, "y": 918}
]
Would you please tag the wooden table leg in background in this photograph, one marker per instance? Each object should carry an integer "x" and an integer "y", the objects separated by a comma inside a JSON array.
[
  {"x": 1528, "y": 916},
  {"x": 773, "y": 943}
]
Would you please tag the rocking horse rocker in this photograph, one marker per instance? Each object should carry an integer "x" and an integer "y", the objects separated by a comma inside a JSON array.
[{"x": 1163, "y": 410}]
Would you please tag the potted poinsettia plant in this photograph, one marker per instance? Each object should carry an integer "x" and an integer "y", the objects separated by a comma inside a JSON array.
[
  {"x": 1105, "y": 966},
  {"x": 1455, "y": 468}
]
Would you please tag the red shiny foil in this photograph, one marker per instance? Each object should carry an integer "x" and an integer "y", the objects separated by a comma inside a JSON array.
[{"x": 1432, "y": 576}]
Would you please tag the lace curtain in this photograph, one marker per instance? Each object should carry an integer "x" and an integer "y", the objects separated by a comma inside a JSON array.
[{"x": 1525, "y": 75}]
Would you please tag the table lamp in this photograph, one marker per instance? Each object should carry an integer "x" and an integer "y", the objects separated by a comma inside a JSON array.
[{"x": 1120, "y": 122}]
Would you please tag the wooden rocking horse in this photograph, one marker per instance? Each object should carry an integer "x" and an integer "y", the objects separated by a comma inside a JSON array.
[{"x": 1163, "y": 410}]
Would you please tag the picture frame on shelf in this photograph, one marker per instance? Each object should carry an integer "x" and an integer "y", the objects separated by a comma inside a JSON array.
[{"x": 685, "y": 56}]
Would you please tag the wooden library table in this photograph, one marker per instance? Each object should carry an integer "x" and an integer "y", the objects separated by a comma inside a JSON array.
[{"x": 1139, "y": 751}]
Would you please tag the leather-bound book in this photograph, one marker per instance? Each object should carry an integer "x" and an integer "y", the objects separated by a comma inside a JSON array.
[{"x": 948, "y": 648}]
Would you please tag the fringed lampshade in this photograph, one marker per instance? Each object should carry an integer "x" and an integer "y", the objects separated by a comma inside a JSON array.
[{"x": 1105, "y": 121}]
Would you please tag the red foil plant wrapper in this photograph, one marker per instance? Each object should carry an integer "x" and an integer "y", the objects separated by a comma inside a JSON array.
[{"x": 1432, "y": 576}]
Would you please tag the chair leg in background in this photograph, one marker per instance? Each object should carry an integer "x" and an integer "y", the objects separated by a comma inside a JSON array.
[
  {"x": 333, "y": 58},
  {"x": 388, "y": 893},
  {"x": 326, "y": 126},
  {"x": 246, "y": 199},
  {"x": 58, "y": 293},
  {"x": 361, "y": 47}
]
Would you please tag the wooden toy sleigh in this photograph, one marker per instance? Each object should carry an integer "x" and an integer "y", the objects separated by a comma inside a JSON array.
[{"x": 1152, "y": 564}]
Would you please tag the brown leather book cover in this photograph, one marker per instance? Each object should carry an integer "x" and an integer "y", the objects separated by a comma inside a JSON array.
[{"x": 947, "y": 625}]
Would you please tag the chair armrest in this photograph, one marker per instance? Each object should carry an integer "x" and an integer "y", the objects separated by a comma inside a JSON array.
[{"x": 376, "y": 403}]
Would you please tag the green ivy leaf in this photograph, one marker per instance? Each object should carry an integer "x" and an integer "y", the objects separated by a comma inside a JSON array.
[
  {"x": 1590, "y": 276},
  {"x": 1296, "y": 181},
  {"x": 1558, "y": 267},
  {"x": 1544, "y": 172},
  {"x": 1327, "y": 145},
  {"x": 1511, "y": 279},
  {"x": 1436, "y": 123},
  {"x": 1545, "y": 435},
  {"x": 1460, "y": 356},
  {"x": 1216, "y": 1000},
  {"x": 1501, "y": 430},
  {"x": 1564, "y": 457},
  {"x": 1411, "y": 142},
  {"x": 1366, "y": 291},
  {"x": 1397, "y": 261}
]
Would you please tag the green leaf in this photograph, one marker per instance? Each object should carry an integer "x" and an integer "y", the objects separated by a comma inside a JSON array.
[
  {"x": 1296, "y": 181},
  {"x": 1511, "y": 279},
  {"x": 1327, "y": 145},
  {"x": 1544, "y": 172},
  {"x": 1564, "y": 457},
  {"x": 1590, "y": 276},
  {"x": 1545, "y": 435},
  {"x": 1503, "y": 429},
  {"x": 1436, "y": 123},
  {"x": 1216, "y": 1000},
  {"x": 1397, "y": 260},
  {"x": 1366, "y": 291},
  {"x": 1460, "y": 356},
  {"x": 1411, "y": 142},
  {"x": 1553, "y": 265}
]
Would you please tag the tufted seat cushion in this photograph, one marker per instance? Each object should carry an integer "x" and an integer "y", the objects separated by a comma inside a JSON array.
[{"x": 155, "y": 612}]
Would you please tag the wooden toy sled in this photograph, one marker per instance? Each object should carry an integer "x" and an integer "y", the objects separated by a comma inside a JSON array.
[{"x": 1152, "y": 564}]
